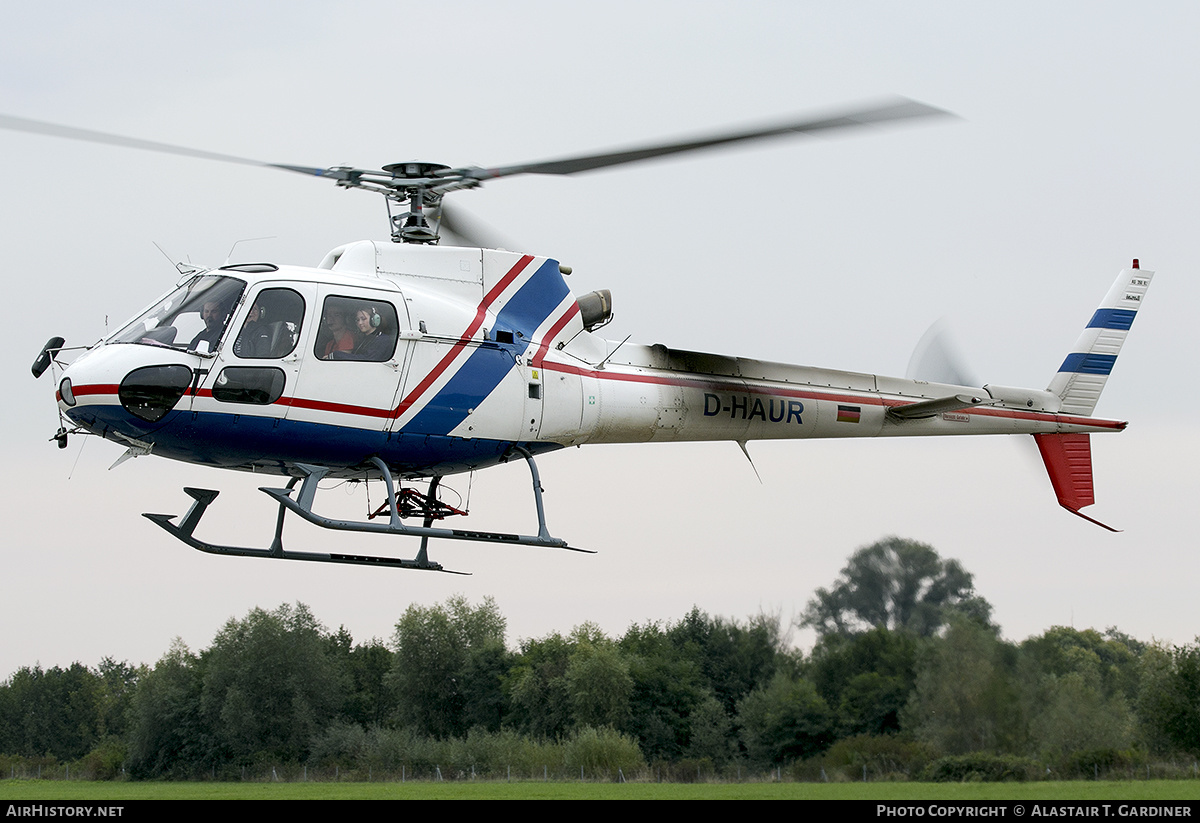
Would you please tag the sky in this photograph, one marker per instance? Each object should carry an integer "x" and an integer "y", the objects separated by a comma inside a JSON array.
[{"x": 1073, "y": 151}]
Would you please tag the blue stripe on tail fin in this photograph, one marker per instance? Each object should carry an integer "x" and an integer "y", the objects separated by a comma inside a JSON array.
[{"x": 1083, "y": 373}]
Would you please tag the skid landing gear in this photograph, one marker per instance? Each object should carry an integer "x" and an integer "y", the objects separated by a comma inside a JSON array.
[{"x": 398, "y": 506}]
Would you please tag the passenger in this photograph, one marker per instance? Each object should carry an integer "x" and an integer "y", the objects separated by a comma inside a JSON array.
[
  {"x": 342, "y": 340},
  {"x": 255, "y": 338},
  {"x": 214, "y": 323},
  {"x": 375, "y": 344}
]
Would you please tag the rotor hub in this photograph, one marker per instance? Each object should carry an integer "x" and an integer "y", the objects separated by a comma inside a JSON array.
[{"x": 414, "y": 169}]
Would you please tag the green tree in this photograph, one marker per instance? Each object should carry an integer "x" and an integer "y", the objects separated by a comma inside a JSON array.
[
  {"x": 1170, "y": 698},
  {"x": 667, "y": 689},
  {"x": 118, "y": 684},
  {"x": 711, "y": 732},
  {"x": 966, "y": 697},
  {"x": 540, "y": 699},
  {"x": 1076, "y": 686},
  {"x": 269, "y": 685},
  {"x": 168, "y": 736},
  {"x": 1076, "y": 716},
  {"x": 1110, "y": 660},
  {"x": 867, "y": 678},
  {"x": 734, "y": 657},
  {"x": 598, "y": 680},
  {"x": 896, "y": 584},
  {"x": 785, "y": 720},
  {"x": 369, "y": 700},
  {"x": 55, "y": 712},
  {"x": 449, "y": 666}
]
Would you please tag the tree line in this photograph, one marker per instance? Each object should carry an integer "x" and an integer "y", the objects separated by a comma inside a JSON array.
[{"x": 909, "y": 677}]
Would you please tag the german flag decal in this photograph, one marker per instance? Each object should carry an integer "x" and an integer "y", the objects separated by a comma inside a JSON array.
[{"x": 849, "y": 414}]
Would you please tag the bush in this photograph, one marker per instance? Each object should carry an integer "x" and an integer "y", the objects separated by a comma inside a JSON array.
[
  {"x": 884, "y": 757},
  {"x": 105, "y": 762},
  {"x": 1088, "y": 765},
  {"x": 341, "y": 744},
  {"x": 601, "y": 752},
  {"x": 982, "y": 767}
]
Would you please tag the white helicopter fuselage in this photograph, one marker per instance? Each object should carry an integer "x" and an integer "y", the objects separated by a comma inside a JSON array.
[{"x": 482, "y": 350}]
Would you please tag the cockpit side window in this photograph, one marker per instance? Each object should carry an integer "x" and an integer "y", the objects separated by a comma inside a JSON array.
[
  {"x": 272, "y": 326},
  {"x": 355, "y": 328},
  {"x": 193, "y": 317}
]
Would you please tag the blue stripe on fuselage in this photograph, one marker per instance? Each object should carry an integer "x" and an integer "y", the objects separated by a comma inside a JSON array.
[
  {"x": 486, "y": 367},
  {"x": 271, "y": 444}
]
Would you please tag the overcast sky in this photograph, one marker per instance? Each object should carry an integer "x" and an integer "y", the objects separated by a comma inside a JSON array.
[{"x": 1075, "y": 152}]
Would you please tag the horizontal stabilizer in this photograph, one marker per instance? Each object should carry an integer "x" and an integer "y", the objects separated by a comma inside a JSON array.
[
  {"x": 1068, "y": 459},
  {"x": 929, "y": 408}
]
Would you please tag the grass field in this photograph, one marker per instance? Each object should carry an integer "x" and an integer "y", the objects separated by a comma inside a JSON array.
[{"x": 1152, "y": 790}]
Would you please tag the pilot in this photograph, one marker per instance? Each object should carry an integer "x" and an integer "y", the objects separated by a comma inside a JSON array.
[
  {"x": 214, "y": 322},
  {"x": 374, "y": 344}
]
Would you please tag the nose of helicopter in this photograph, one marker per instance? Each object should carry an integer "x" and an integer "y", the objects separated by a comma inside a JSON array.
[{"x": 121, "y": 389}]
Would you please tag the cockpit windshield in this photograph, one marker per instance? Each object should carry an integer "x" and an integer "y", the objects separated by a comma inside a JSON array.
[{"x": 191, "y": 318}]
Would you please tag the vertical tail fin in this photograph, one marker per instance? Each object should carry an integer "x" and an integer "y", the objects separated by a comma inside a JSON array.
[
  {"x": 1080, "y": 379},
  {"x": 1082, "y": 375}
]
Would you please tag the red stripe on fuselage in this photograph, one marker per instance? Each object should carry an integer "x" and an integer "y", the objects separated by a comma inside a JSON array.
[
  {"x": 99, "y": 388},
  {"x": 339, "y": 408},
  {"x": 687, "y": 382},
  {"x": 554, "y": 330}
]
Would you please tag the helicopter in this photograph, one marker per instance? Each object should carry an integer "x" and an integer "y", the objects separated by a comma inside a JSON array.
[{"x": 409, "y": 360}]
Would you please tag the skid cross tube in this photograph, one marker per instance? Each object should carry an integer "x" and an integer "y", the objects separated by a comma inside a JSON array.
[
  {"x": 302, "y": 506},
  {"x": 302, "y": 502}
]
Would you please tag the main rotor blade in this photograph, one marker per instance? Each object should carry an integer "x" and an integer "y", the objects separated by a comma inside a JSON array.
[
  {"x": 901, "y": 109},
  {"x": 89, "y": 136}
]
